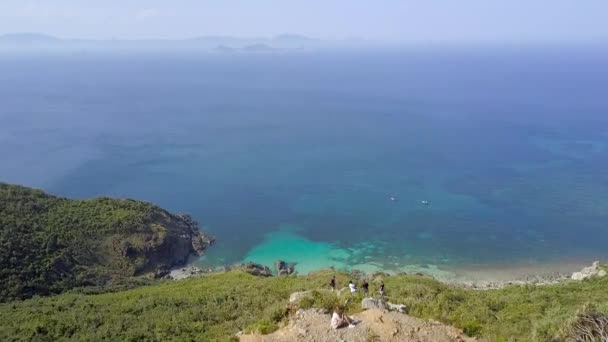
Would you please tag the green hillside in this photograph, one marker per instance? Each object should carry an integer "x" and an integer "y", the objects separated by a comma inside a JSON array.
[
  {"x": 217, "y": 306},
  {"x": 95, "y": 254},
  {"x": 50, "y": 244}
]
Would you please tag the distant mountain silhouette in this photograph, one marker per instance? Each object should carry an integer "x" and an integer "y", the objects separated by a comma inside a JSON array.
[
  {"x": 211, "y": 43},
  {"x": 28, "y": 38},
  {"x": 223, "y": 48}
]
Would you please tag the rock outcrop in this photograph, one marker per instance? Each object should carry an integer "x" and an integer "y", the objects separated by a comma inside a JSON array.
[
  {"x": 312, "y": 325},
  {"x": 373, "y": 303},
  {"x": 379, "y": 304},
  {"x": 256, "y": 269},
  {"x": 190, "y": 271},
  {"x": 284, "y": 268},
  {"x": 199, "y": 241},
  {"x": 173, "y": 240},
  {"x": 397, "y": 307},
  {"x": 595, "y": 270}
]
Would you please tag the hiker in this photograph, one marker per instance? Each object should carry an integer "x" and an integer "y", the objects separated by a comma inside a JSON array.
[
  {"x": 365, "y": 287},
  {"x": 339, "y": 319},
  {"x": 382, "y": 290},
  {"x": 352, "y": 287},
  {"x": 332, "y": 283}
]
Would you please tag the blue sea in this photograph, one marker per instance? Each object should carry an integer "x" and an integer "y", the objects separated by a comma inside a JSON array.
[{"x": 492, "y": 156}]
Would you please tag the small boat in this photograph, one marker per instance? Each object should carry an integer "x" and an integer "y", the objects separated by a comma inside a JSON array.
[
  {"x": 393, "y": 198},
  {"x": 425, "y": 202}
]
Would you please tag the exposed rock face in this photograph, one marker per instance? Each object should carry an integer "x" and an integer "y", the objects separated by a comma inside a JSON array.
[
  {"x": 397, "y": 307},
  {"x": 373, "y": 303},
  {"x": 283, "y": 268},
  {"x": 595, "y": 270},
  {"x": 174, "y": 240},
  {"x": 200, "y": 241},
  {"x": 312, "y": 325},
  {"x": 256, "y": 269},
  {"x": 186, "y": 272}
]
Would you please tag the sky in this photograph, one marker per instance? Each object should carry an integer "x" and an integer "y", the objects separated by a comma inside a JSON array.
[{"x": 390, "y": 20}]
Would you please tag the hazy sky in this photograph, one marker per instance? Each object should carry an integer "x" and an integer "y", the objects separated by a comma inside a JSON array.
[{"x": 447, "y": 20}]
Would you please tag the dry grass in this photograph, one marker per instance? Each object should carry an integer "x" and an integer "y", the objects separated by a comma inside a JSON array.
[{"x": 589, "y": 325}]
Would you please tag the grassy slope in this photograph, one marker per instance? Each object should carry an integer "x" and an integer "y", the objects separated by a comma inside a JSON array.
[{"x": 215, "y": 307}]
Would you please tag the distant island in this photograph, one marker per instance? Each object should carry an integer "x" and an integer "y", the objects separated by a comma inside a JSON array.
[
  {"x": 284, "y": 42},
  {"x": 28, "y": 38},
  {"x": 259, "y": 48}
]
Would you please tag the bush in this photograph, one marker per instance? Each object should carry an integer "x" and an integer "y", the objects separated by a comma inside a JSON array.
[
  {"x": 263, "y": 327},
  {"x": 588, "y": 325},
  {"x": 306, "y": 303},
  {"x": 472, "y": 328},
  {"x": 217, "y": 306},
  {"x": 277, "y": 312},
  {"x": 325, "y": 300}
]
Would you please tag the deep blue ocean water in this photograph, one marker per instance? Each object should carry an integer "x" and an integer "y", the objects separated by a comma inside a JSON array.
[{"x": 295, "y": 155}]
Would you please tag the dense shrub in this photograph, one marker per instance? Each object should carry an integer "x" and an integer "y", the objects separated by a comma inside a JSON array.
[
  {"x": 49, "y": 244},
  {"x": 217, "y": 306}
]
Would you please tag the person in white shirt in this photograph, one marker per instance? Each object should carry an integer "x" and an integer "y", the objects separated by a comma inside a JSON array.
[{"x": 352, "y": 287}]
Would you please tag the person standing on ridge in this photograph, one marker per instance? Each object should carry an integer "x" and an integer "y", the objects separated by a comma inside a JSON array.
[
  {"x": 365, "y": 287},
  {"x": 382, "y": 290},
  {"x": 352, "y": 287},
  {"x": 332, "y": 283}
]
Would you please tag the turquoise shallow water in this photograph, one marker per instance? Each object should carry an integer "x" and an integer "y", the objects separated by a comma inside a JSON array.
[
  {"x": 295, "y": 156},
  {"x": 308, "y": 255}
]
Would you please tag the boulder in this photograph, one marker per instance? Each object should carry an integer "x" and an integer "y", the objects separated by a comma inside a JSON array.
[
  {"x": 595, "y": 270},
  {"x": 296, "y": 297},
  {"x": 373, "y": 303},
  {"x": 397, "y": 307}
]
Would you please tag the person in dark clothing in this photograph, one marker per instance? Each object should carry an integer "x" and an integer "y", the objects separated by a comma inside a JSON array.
[
  {"x": 382, "y": 290},
  {"x": 365, "y": 287},
  {"x": 332, "y": 283}
]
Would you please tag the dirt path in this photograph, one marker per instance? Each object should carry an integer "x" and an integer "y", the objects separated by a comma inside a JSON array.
[{"x": 375, "y": 325}]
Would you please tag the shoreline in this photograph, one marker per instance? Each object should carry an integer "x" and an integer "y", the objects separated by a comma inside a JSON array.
[
  {"x": 369, "y": 257},
  {"x": 469, "y": 276}
]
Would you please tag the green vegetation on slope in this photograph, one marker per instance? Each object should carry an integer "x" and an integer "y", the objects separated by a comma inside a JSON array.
[
  {"x": 216, "y": 306},
  {"x": 49, "y": 244}
]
